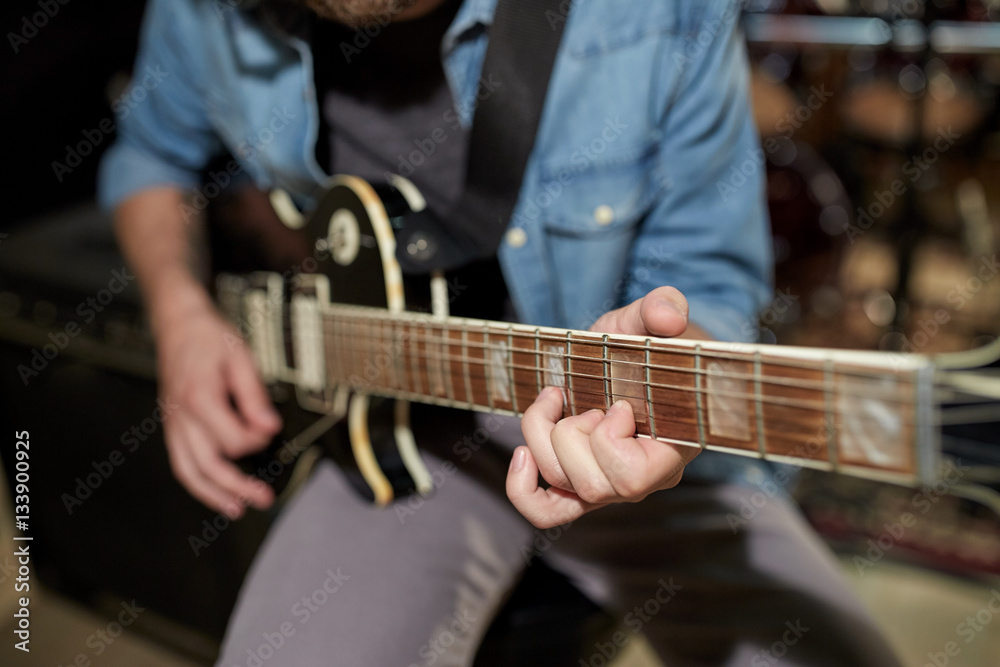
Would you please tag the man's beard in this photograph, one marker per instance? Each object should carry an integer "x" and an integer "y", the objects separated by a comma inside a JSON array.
[{"x": 357, "y": 13}]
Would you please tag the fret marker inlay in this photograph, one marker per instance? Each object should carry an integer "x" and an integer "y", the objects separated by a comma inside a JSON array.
[
  {"x": 871, "y": 429},
  {"x": 628, "y": 381},
  {"x": 728, "y": 408},
  {"x": 500, "y": 371},
  {"x": 555, "y": 375}
]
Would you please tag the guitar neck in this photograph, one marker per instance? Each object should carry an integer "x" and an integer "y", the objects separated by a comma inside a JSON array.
[{"x": 866, "y": 414}]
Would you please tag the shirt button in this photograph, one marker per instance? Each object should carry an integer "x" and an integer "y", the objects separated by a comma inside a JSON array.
[
  {"x": 516, "y": 237},
  {"x": 604, "y": 215}
]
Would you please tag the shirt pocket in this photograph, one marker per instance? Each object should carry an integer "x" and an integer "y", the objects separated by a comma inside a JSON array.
[{"x": 601, "y": 196}]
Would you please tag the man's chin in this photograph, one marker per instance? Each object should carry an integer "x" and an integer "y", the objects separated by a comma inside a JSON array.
[{"x": 357, "y": 13}]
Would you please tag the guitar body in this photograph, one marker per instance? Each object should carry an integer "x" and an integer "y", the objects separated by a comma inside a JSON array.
[
  {"x": 343, "y": 253},
  {"x": 355, "y": 247}
]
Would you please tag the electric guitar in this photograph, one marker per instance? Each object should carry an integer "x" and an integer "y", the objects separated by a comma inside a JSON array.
[{"x": 337, "y": 333}]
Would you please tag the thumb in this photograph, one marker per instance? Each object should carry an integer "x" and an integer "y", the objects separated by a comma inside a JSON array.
[{"x": 662, "y": 312}]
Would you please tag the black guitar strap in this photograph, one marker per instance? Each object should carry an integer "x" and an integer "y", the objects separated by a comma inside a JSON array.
[{"x": 523, "y": 43}]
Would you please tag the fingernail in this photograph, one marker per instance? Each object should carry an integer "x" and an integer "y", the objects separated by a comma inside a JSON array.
[
  {"x": 517, "y": 463},
  {"x": 618, "y": 406}
]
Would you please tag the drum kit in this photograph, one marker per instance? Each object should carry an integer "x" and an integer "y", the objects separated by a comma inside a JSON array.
[{"x": 878, "y": 118}]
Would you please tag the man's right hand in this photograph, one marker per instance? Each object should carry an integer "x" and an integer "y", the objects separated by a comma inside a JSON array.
[{"x": 224, "y": 410}]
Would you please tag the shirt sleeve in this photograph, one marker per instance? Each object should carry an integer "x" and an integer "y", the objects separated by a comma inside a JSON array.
[
  {"x": 714, "y": 207},
  {"x": 164, "y": 135}
]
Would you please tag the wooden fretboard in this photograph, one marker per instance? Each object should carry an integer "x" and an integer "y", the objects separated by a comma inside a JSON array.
[{"x": 866, "y": 414}]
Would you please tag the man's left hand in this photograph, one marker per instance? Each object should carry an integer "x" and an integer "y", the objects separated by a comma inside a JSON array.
[{"x": 594, "y": 459}]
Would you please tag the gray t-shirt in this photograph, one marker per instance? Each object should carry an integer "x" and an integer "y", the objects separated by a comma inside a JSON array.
[{"x": 387, "y": 107}]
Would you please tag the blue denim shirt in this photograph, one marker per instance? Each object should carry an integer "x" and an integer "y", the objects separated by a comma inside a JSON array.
[{"x": 630, "y": 185}]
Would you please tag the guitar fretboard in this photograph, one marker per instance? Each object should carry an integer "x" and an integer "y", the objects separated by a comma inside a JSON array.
[{"x": 862, "y": 413}]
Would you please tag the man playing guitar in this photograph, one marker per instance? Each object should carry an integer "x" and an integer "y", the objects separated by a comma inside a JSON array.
[{"x": 620, "y": 227}]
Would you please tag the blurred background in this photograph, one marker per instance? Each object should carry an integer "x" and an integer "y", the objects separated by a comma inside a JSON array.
[{"x": 881, "y": 141}]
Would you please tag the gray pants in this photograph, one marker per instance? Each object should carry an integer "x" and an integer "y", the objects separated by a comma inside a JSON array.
[{"x": 339, "y": 582}]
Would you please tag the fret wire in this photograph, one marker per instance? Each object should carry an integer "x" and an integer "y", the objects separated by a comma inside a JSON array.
[
  {"x": 831, "y": 431},
  {"x": 759, "y": 395},
  {"x": 381, "y": 339},
  {"x": 426, "y": 398},
  {"x": 799, "y": 460},
  {"x": 712, "y": 354},
  {"x": 698, "y": 398},
  {"x": 510, "y": 357},
  {"x": 353, "y": 329},
  {"x": 446, "y": 354},
  {"x": 607, "y": 370},
  {"x": 486, "y": 366},
  {"x": 369, "y": 352},
  {"x": 433, "y": 381},
  {"x": 656, "y": 404},
  {"x": 358, "y": 326},
  {"x": 338, "y": 343},
  {"x": 370, "y": 325},
  {"x": 397, "y": 355},
  {"x": 538, "y": 364},
  {"x": 649, "y": 396},
  {"x": 569, "y": 372},
  {"x": 348, "y": 360},
  {"x": 792, "y": 383},
  {"x": 414, "y": 360},
  {"x": 771, "y": 400},
  {"x": 390, "y": 338},
  {"x": 465, "y": 368},
  {"x": 404, "y": 342}
]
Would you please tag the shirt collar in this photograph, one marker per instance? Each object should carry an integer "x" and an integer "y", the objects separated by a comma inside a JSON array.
[{"x": 471, "y": 15}]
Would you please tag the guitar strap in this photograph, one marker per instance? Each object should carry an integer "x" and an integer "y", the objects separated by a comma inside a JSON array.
[{"x": 523, "y": 43}]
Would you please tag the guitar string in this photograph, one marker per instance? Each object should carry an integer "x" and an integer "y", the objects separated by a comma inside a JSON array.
[
  {"x": 794, "y": 383},
  {"x": 480, "y": 364},
  {"x": 443, "y": 341},
  {"x": 561, "y": 341},
  {"x": 789, "y": 382},
  {"x": 500, "y": 329},
  {"x": 450, "y": 358}
]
